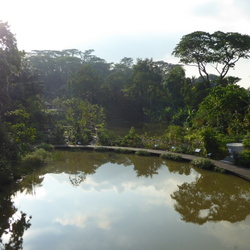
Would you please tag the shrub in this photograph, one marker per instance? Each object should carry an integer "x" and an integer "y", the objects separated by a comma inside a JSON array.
[
  {"x": 246, "y": 141},
  {"x": 46, "y": 146},
  {"x": 203, "y": 164},
  {"x": 34, "y": 159},
  {"x": 213, "y": 143},
  {"x": 105, "y": 137},
  {"x": 209, "y": 141},
  {"x": 154, "y": 142},
  {"x": 242, "y": 158},
  {"x": 143, "y": 153},
  {"x": 131, "y": 139},
  {"x": 172, "y": 157},
  {"x": 175, "y": 134},
  {"x": 124, "y": 151}
]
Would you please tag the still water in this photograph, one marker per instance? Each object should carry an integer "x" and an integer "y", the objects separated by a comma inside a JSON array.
[{"x": 96, "y": 200}]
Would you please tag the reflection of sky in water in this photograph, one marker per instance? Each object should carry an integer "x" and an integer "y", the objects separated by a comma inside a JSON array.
[{"x": 114, "y": 209}]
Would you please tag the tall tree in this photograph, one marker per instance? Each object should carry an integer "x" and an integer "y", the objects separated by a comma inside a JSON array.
[
  {"x": 55, "y": 67},
  {"x": 146, "y": 84},
  {"x": 86, "y": 84},
  {"x": 10, "y": 60},
  {"x": 219, "y": 49}
]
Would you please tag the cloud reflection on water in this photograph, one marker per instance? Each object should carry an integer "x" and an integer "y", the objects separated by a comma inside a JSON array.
[{"x": 117, "y": 209}]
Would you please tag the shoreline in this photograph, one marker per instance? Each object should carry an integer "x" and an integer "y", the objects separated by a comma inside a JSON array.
[{"x": 228, "y": 166}]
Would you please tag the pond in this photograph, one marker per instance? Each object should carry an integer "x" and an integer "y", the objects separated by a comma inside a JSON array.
[{"x": 96, "y": 200}]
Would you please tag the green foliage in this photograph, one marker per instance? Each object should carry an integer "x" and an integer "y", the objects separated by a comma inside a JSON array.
[
  {"x": 242, "y": 158},
  {"x": 55, "y": 68},
  {"x": 209, "y": 141},
  {"x": 145, "y": 87},
  {"x": 9, "y": 156},
  {"x": 35, "y": 159},
  {"x": 132, "y": 139},
  {"x": 172, "y": 157},
  {"x": 83, "y": 120},
  {"x": 218, "y": 48},
  {"x": 143, "y": 153},
  {"x": 9, "y": 63},
  {"x": 6, "y": 171},
  {"x": 203, "y": 163},
  {"x": 124, "y": 151},
  {"x": 213, "y": 143},
  {"x": 154, "y": 142},
  {"x": 224, "y": 109},
  {"x": 85, "y": 84},
  {"x": 45, "y": 146},
  {"x": 105, "y": 136},
  {"x": 246, "y": 141},
  {"x": 175, "y": 134}
]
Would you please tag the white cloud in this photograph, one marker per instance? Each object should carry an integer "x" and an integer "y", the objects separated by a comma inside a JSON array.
[{"x": 232, "y": 235}]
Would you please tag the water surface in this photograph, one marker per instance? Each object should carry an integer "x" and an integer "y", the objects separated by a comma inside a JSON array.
[{"x": 94, "y": 200}]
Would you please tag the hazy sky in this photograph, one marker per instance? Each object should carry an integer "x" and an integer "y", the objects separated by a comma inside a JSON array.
[{"x": 119, "y": 28}]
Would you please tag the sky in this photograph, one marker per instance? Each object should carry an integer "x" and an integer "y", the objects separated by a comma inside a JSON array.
[{"x": 117, "y": 28}]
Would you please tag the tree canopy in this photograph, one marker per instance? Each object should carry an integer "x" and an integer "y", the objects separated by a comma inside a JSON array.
[{"x": 219, "y": 49}]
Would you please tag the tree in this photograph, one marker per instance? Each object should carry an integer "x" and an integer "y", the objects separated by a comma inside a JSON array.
[
  {"x": 10, "y": 60},
  {"x": 225, "y": 109},
  {"x": 55, "y": 67},
  {"x": 85, "y": 84},
  {"x": 219, "y": 49},
  {"x": 145, "y": 86},
  {"x": 83, "y": 120},
  {"x": 115, "y": 103}
]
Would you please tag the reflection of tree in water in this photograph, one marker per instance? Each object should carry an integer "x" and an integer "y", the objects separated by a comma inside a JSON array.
[
  {"x": 175, "y": 167},
  {"x": 12, "y": 223},
  {"x": 77, "y": 178},
  {"x": 146, "y": 166},
  {"x": 213, "y": 199},
  {"x": 30, "y": 183}
]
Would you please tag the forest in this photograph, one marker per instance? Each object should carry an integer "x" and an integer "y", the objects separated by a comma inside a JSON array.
[{"x": 70, "y": 96}]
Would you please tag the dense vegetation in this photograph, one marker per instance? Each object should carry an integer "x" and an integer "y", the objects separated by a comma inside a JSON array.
[{"x": 69, "y": 96}]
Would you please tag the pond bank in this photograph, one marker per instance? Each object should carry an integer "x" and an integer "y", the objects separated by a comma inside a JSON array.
[{"x": 236, "y": 170}]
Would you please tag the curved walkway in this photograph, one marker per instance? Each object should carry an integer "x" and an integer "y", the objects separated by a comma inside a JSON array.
[{"x": 239, "y": 171}]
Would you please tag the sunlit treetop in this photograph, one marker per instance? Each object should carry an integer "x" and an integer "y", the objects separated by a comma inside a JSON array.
[{"x": 221, "y": 50}]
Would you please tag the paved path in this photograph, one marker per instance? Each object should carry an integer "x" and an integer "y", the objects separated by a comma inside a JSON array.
[{"x": 239, "y": 171}]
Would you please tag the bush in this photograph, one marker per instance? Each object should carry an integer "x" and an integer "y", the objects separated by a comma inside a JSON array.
[
  {"x": 34, "y": 159},
  {"x": 154, "y": 142},
  {"x": 143, "y": 153},
  {"x": 172, "y": 157},
  {"x": 213, "y": 143},
  {"x": 175, "y": 134},
  {"x": 46, "y": 146},
  {"x": 105, "y": 137},
  {"x": 242, "y": 158},
  {"x": 124, "y": 151},
  {"x": 246, "y": 141},
  {"x": 132, "y": 139},
  {"x": 209, "y": 141},
  {"x": 203, "y": 164}
]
